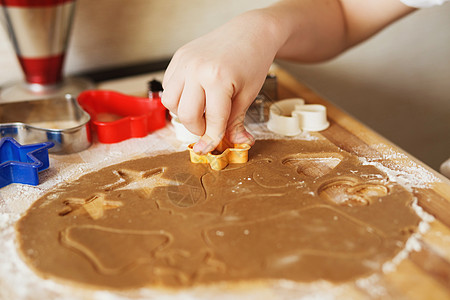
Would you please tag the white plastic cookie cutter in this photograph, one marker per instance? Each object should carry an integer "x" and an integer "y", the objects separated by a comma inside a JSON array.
[
  {"x": 290, "y": 116},
  {"x": 181, "y": 132}
]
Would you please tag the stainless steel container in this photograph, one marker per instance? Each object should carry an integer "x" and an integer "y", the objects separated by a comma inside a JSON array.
[{"x": 58, "y": 120}]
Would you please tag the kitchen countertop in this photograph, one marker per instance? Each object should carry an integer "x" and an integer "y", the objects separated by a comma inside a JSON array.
[{"x": 421, "y": 271}]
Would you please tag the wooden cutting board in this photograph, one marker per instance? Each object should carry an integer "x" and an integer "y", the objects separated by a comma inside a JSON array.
[{"x": 424, "y": 274}]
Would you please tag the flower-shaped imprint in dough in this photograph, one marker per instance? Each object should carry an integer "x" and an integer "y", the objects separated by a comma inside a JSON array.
[
  {"x": 223, "y": 155},
  {"x": 349, "y": 191}
]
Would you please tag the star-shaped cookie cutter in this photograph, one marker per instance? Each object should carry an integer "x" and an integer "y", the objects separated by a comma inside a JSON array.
[
  {"x": 21, "y": 164},
  {"x": 226, "y": 154}
]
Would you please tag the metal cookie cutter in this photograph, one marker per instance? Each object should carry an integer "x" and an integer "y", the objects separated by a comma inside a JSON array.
[
  {"x": 117, "y": 117},
  {"x": 21, "y": 164},
  {"x": 59, "y": 120},
  {"x": 222, "y": 155},
  {"x": 290, "y": 116},
  {"x": 258, "y": 110}
]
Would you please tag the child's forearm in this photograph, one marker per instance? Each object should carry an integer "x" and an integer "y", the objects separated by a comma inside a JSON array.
[
  {"x": 212, "y": 80},
  {"x": 316, "y": 30}
]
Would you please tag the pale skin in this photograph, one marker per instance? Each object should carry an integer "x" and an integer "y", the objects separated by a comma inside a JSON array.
[{"x": 211, "y": 81}]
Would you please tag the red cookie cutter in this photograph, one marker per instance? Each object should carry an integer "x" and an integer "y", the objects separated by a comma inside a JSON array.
[{"x": 117, "y": 117}]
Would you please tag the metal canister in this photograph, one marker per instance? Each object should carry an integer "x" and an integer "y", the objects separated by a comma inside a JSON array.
[{"x": 39, "y": 31}]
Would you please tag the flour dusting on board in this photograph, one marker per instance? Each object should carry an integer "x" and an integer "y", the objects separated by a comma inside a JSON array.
[
  {"x": 17, "y": 281},
  {"x": 15, "y": 199},
  {"x": 400, "y": 168},
  {"x": 372, "y": 286}
]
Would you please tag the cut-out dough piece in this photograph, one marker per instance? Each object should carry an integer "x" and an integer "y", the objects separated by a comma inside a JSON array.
[{"x": 95, "y": 206}]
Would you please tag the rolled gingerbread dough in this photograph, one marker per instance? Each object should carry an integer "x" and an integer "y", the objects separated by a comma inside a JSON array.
[{"x": 298, "y": 210}]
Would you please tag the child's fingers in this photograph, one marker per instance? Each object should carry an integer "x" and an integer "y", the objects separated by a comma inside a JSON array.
[
  {"x": 239, "y": 135},
  {"x": 171, "y": 70},
  {"x": 168, "y": 73},
  {"x": 236, "y": 132},
  {"x": 171, "y": 95},
  {"x": 217, "y": 112},
  {"x": 191, "y": 108}
]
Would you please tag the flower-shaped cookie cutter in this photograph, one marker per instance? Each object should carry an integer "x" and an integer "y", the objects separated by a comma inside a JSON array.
[
  {"x": 22, "y": 163},
  {"x": 290, "y": 116},
  {"x": 223, "y": 155},
  {"x": 116, "y": 117}
]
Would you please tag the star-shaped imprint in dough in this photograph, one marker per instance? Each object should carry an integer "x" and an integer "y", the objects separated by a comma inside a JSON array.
[
  {"x": 95, "y": 205},
  {"x": 145, "y": 181}
]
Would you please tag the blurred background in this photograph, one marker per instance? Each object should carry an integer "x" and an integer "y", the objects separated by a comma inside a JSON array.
[{"x": 397, "y": 83}]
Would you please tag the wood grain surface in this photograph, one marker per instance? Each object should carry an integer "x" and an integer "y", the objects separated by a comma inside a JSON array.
[{"x": 424, "y": 274}]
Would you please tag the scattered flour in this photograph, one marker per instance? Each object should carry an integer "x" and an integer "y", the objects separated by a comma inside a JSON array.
[
  {"x": 18, "y": 282},
  {"x": 400, "y": 168},
  {"x": 4, "y": 220},
  {"x": 371, "y": 285}
]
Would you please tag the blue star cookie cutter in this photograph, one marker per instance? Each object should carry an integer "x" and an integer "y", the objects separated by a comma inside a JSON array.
[{"x": 22, "y": 163}]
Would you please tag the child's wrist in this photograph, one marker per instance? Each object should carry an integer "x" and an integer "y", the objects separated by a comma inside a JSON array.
[{"x": 272, "y": 32}]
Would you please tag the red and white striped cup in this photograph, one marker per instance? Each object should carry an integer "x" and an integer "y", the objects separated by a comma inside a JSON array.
[{"x": 39, "y": 31}]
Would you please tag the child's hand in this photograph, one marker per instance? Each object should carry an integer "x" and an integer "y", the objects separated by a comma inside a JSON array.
[{"x": 211, "y": 81}]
